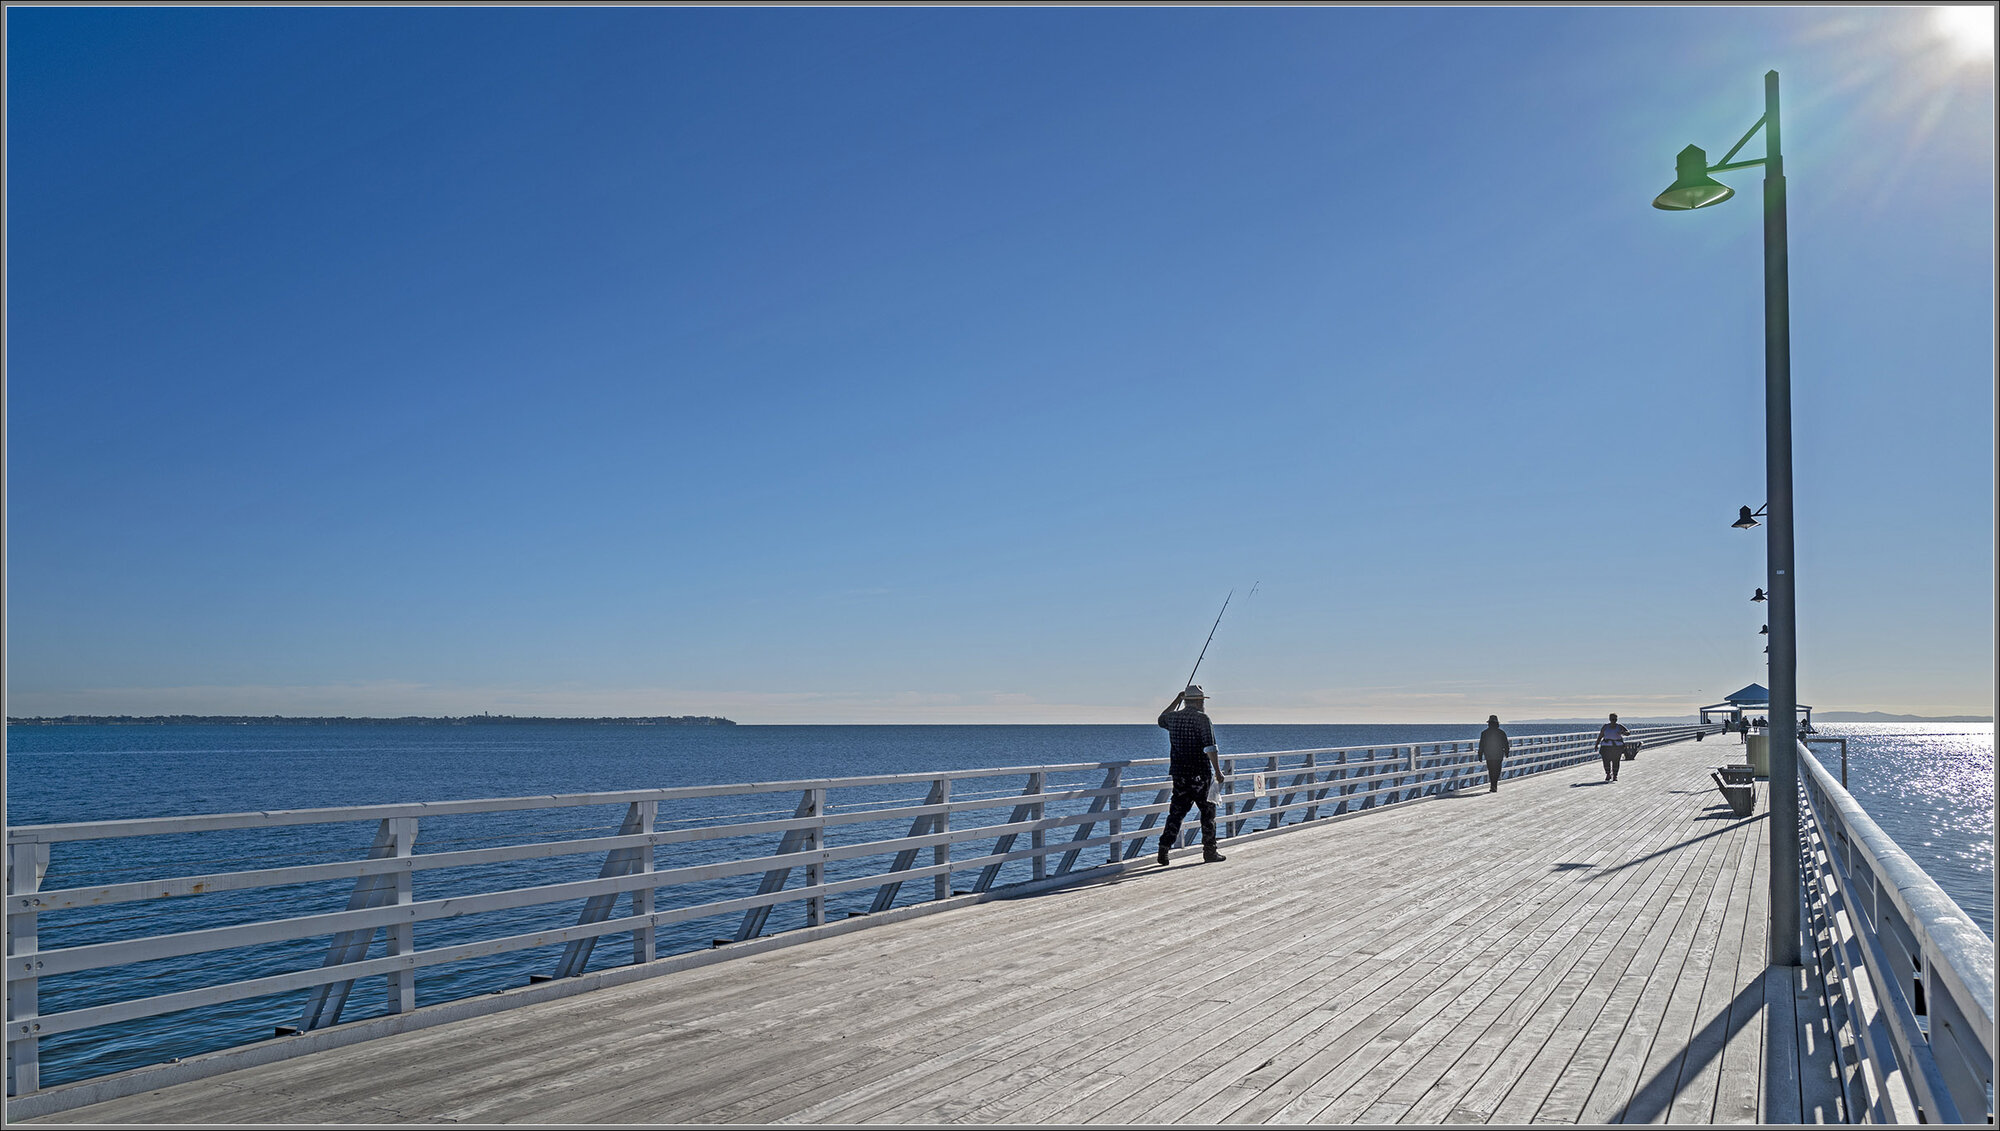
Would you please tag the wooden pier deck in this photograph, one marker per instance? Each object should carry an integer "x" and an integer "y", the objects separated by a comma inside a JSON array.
[{"x": 1564, "y": 951}]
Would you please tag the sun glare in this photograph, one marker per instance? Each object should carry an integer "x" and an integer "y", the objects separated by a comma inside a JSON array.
[{"x": 1967, "y": 29}]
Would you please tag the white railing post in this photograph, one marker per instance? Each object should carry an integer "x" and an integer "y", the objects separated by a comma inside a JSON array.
[
  {"x": 1228, "y": 804},
  {"x": 941, "y": 854},
  {"x": 816, "y": 871},
  {"x": 402, "y": 935},
  {"x": 1039, "y": 840},
  {"x": 26, "y": 864},
  {"x": 645, "y": 945},
  {"x": 1117, "y": 803}
]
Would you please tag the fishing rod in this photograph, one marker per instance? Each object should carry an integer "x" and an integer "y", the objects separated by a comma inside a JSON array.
[
  {"x": 1213, "y": 632},
  {"x": 1210, "y": 640}
]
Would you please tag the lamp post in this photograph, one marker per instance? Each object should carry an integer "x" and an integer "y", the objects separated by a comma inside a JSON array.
[{"x": 1694, "y": 188}]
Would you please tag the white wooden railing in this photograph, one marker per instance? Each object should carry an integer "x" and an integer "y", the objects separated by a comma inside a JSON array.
[
  {"x": 1916, "y": 974},
  {"x": 498, "y": 877}
]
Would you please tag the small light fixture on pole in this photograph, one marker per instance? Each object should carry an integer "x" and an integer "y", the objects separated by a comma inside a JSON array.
[
  {"x": 1764, "y": 631},
  {"x": 1748, "y": 518},
  {"x": 1694, "y": 188},
  {"x": 1759, "y": 596}
]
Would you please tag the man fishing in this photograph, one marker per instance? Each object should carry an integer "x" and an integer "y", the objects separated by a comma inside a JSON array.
[{"x": 1193, "y": 763}]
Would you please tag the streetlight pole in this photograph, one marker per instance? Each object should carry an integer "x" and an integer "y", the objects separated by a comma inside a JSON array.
[
  {"x": 1784, "y": 948},
  {"x": 1694, "y": 188}
]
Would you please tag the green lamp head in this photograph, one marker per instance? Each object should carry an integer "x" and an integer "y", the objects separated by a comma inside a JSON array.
[{"x": 1692, "y": 187}]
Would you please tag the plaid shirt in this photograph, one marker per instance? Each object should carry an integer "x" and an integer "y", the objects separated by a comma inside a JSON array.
[{"x": 1188, "y": 731}]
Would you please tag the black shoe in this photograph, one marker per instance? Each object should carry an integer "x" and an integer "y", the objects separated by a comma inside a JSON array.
[
  {"x": 1212, "y": 857},
  {"x": 1161, "y": 855}
]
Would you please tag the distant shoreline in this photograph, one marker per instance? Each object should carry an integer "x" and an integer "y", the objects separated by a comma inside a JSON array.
[
  {"x": 345, "y": 720},
  {"x": 718, "y": 721}
]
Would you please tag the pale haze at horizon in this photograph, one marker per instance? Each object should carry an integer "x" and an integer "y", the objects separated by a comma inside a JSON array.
[{"x": 939, "y": 365}]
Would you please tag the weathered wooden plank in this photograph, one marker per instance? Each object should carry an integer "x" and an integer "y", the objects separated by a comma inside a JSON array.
[
  {"x": 1694, "y": 1099},
  {"x": 1661, "y": 1075},
  {"x": 1521, "y": 1030},
  {"x": 1597, "y": 1063},
  {"x": 1782, "y": 1096},
  {"x": 1619, "y": 1071},
  {"x": 1567, "y": 1055},
  {"x": 1643, "y": 1070},
  {"x": 1381, "y": 962},
  {"x": 1518, "y": 895},
  {"x": 1377, "y": 1088},
  {"x": 1740, "y": 1077},
  {"x": 1281, "y": 1060}
]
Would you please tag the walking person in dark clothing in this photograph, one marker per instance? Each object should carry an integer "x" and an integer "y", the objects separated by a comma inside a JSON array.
[
  {"x": 1611, "y": 746},
  {"x": 1494, "y": 747},
  {"x": 1194, "y": 766}
]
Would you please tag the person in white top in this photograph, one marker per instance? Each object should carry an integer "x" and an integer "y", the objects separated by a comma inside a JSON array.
[{"x": 1611, "y": 746}]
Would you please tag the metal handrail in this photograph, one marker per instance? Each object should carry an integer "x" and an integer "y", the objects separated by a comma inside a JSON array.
[
  {"x": 1918, "y": 970},
  {"x": 1279, "y": 790}
]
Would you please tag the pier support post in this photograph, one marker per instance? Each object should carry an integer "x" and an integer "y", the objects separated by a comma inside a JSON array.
[
  {"x": 1039, "y": 839},
  {"x": 644, "y": 946},
  {"x": 941, "y": 854},
  {"x": 1115, "y": 781},
  {"x": 816, "y": 871},
  {"x": 26, "y": 864},
  {"x": 402, "y": 990}
]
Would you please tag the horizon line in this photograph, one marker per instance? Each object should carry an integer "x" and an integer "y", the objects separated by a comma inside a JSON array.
[{"x": 79, "y": 718}]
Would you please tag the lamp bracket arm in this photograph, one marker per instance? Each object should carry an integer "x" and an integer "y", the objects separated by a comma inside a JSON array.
[
  {"x": 1740, "y": 144},
  {"x": 1724, "y": 168}
]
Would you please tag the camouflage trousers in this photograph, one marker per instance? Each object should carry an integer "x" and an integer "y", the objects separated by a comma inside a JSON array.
[{"x": 1190, "y": 788}]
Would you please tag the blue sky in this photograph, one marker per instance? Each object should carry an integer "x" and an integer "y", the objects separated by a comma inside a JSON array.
[{"x": 951, "y": 365}]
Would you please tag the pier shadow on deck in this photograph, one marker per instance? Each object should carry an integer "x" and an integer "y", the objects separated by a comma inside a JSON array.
[{"x": 1544, "y": 954}]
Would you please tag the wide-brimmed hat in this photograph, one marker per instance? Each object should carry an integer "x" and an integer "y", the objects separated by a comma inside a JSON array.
[{"x": 1193, "y": 692}]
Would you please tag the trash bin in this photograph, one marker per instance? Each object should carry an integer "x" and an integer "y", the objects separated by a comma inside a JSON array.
[
  {"x": 1757, "y": 752},
  {"x": 1631, "y": 751}
]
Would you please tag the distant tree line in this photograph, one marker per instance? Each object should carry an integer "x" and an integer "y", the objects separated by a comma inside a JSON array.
[{"x": 344, "y": 720}]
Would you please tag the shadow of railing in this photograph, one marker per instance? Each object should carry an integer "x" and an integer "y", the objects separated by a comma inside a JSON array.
[{"x": 1654, "y": 1100}]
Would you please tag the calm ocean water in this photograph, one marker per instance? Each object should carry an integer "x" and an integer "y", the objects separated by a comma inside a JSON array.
[{"x": 1930, "y": 786}]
